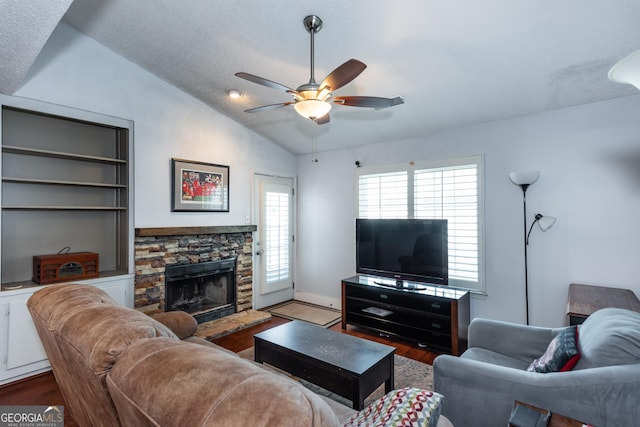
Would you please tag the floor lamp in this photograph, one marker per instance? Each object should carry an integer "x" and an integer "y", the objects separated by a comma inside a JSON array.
[
  {"x": 627, "y": 70},
  {"x": 524, "y": 180}
]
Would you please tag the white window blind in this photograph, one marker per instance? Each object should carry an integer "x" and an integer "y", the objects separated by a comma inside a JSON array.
[
  {"x": 383, "y": 195},
  {"x": 276, "y": 236},
  {"x": 452, "y": 194},
  {"x": 448, "y": 190}
]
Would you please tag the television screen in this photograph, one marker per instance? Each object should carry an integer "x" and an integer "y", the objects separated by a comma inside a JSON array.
[{"x": 403, "y": 249}]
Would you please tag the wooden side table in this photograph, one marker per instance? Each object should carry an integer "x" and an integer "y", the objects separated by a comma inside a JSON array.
[
  {"x": 556, "y": 420},
  {"x": 584, "y": 300}
]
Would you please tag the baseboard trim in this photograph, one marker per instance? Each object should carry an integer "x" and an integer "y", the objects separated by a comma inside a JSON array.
[{"x": 318, "y": 300}]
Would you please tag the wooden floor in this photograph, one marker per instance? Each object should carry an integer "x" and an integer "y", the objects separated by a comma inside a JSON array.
[{"x": 43, "y": 390}]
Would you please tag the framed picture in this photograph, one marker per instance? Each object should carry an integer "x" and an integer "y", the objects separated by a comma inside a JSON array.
[{"x": 199, "y": 187}]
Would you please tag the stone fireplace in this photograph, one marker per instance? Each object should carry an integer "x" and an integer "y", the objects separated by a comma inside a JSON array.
[{"x": 193, "y": 249}]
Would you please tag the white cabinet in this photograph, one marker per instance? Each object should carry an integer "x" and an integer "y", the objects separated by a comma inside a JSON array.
[
  {"x": 25, "y": 348},
  {"x": 21, "y": 352}
]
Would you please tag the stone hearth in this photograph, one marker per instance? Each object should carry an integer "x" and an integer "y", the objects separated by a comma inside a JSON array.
[{"x": 155, "y": 248}]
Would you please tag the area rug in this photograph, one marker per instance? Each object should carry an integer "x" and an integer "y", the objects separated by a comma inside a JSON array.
[
  {"x": 408, "y": 373},
  {"x": 298, "y": 310}
]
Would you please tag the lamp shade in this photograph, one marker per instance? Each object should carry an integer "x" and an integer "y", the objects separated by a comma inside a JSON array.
[
  {"x": 524, "y": 178},
  {"x": 546, "y": 222},
  {"x": 627, "y": 70},
  {"x": 312, "y": 108}
]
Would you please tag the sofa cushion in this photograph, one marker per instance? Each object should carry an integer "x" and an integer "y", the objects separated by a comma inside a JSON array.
[
  {"x": 181, "y": 323},
  {"x": 404, "y": 407},
  {"x": 100, "y": 333},
  {"x": 561, "y": 355},
  {"x": 610, "y": 336},
  {"x": 201, "y": 386}
]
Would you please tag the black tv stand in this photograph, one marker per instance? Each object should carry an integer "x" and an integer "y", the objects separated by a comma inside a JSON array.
[{"x": 430, "y": 315}]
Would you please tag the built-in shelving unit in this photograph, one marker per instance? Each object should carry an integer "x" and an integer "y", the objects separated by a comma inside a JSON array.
[{"x": 66, "y": 177}]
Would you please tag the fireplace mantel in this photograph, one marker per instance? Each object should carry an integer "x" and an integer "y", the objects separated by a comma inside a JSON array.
[{"x": 185, "y": 231}]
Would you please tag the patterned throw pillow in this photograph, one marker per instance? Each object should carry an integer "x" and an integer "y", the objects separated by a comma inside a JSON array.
[
  {"x": 406, "y": 407},
  {"x": 561, "y": 355}
]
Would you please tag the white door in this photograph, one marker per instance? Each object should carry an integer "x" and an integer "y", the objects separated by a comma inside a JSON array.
[{"x": 274, "y": 246}]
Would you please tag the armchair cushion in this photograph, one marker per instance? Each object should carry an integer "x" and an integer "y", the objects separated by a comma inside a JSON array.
[
  {"x": 609, "y": 337},
  {"x": 561, "y": 355},
  {"x": 520, "y": 342}
]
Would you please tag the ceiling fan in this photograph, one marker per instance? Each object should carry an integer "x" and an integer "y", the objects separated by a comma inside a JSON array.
[{"x": 313, "y": 100}]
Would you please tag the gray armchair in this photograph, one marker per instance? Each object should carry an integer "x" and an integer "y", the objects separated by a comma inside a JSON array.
[{"x": 603, "y": 389}]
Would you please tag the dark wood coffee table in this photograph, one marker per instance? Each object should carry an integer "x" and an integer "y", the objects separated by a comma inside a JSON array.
[{"x": 349, "y": 366}]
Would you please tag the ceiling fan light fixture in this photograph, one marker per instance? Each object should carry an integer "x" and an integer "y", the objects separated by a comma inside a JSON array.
[
  {"x": 234, "y": 93},
  {"x": 312, "y": 108}
]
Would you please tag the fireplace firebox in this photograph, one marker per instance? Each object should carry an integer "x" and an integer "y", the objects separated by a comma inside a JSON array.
[{"x": 206, "y": 290}]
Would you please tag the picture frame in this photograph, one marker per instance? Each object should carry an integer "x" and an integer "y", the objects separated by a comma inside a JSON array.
[{"x": 199, "y": 186}]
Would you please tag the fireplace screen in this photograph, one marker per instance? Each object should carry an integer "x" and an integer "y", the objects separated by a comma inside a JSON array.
[{"x": 206, "y": 290}]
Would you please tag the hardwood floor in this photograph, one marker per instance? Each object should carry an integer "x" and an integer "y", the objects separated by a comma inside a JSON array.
[{"x": 43, "y": 390}]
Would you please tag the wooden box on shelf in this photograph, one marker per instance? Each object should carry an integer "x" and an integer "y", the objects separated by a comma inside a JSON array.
[{"x": 64, "y": 267}]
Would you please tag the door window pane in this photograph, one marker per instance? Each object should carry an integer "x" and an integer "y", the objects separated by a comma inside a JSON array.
[{"x": 276, "y": 242}]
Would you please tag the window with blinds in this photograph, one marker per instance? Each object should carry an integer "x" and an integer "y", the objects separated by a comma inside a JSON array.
[
  {"x": 383, "y": 195},
  {"x": 448, "y": 190},
  {"x": 276, "y": 238}
]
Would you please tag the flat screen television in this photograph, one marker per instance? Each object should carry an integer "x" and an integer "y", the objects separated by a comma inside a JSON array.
[{"x": 403, "y": 249}]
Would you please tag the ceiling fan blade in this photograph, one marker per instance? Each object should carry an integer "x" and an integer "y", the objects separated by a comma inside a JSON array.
[
  {"x": 368, "y": 101},
  {"x": 264, "y": 82},
  {"x": 343, "y": 74},
  {"x": 267, "y": 107},
  {"x": 323, "y": 120}
]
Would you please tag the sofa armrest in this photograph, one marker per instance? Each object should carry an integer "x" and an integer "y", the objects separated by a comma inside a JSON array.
[
  {"x": 520, "y": 341},
  {"x": 483, "y": 394},
  {"x": 182, "y": 324}
]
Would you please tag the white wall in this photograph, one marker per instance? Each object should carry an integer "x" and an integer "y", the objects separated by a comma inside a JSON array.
[
  {"x": 589, "y": 158},
  {"x": 75, "y": 71},
  {"x": 589, "y": 161}
]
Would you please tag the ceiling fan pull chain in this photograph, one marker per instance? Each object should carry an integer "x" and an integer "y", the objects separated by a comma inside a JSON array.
[{"x": 314, "y": 145}]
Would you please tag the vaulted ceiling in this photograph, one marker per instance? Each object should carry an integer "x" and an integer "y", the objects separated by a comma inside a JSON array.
[{"x": 455, "y": 63}]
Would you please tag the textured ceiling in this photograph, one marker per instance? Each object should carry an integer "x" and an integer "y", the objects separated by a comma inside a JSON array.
[
  {"x": 455, "y": 62},
  {"x": 25, "y": 27}
]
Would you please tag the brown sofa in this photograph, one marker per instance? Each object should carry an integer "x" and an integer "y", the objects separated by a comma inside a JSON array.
[{"x": 117, "y": 366}]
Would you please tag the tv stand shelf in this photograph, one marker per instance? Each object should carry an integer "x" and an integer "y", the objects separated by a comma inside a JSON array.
[{"x": 433, "y": 316}]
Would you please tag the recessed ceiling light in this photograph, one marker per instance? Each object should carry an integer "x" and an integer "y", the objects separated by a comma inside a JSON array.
[{"x": 234, "y": 93}]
